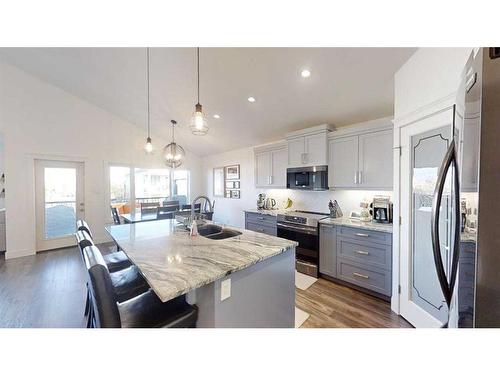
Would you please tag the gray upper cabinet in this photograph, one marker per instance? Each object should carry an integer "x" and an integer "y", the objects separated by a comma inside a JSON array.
[
  {"x": 308, "y": 147},
  {"x": 361, "y": 161},
  {"x": 343, "y": 163},
  {"x": 376, "y": 160},
  {"x": 270, "y": 166}
]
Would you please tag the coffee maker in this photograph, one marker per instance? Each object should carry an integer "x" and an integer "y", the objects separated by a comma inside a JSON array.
[{"x": 381, "y": 208}]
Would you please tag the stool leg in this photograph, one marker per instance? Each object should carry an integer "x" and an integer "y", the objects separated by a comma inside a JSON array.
[{"x": 87, "y": 302}]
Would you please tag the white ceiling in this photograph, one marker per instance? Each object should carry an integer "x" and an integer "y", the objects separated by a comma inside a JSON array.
[{"x": 347, "y": 85}]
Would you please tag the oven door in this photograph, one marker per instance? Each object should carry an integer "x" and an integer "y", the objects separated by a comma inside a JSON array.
[{"x": 307, "y": 251}]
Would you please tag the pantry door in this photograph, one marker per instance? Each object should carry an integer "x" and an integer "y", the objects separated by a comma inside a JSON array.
[
  {"x": 424, "y": 144},
  {"x": 59, "y": 196}
]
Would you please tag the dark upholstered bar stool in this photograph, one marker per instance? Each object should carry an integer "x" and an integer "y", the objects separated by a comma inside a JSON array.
[
  {"x": 144, "y": 311},
  {"x": 128, "y": 282},
  {"x": 115, "y": 261},
  {"x": 82, "y": 225}
]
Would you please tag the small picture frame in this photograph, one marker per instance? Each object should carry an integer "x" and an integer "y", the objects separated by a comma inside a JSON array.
[
  {"x": 235, "y": 194},
  {"x": 232, "y": 184},
  {"x": 233, "y": 172}
]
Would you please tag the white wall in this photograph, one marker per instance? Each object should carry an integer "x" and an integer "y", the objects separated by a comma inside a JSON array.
[
  {"x": 42, "y": 121},
  {"x": 230, "y": 211},
  {"x": 430, "y": 74}
]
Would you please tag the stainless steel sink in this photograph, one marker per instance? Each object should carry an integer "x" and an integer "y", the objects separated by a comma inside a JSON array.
[{"x": 216, "y": 232}]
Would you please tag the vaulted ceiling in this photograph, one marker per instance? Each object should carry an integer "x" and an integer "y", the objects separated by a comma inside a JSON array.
[{"x": 346, "y": 85}]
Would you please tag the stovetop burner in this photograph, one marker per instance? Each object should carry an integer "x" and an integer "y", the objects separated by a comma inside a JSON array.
[{"x": 305, "y": 218}]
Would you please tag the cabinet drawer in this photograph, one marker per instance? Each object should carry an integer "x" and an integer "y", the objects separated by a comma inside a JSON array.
[
  {"x": 370, "y": 236},
  {"x": 267, "y": 229},
  {"x": 372, "y": 278},
  {"x": 365, "y": 253},
  {"x": 260, "y": 218}
]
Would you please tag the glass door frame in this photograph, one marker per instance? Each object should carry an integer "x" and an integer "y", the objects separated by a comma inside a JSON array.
[
  {"x": 407, "y": 308},
  {"x": 42, "y": 243}
]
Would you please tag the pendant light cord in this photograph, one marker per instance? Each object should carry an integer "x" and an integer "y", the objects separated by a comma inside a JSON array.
[
  {"x": 149, "y": 126},
  {"x": 198, "y": 55}
]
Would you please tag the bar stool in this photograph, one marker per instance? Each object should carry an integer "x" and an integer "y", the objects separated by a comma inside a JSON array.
[{"x": 143, "y": 311}]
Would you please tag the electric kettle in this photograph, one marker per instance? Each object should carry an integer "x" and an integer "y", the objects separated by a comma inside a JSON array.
[{"x": 270, "y": 203}]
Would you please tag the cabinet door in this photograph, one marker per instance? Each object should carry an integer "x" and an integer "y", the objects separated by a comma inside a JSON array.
[
  {"x": 295, "y": 152},
  {"x": 376, "y": 160},
  {"x": 343, "y": 163},
  {"x": 262, "y": 169},
  {"x": 328, "y": 250},
  {"x": 315, "y": 149},
  {"x": 279, "y": 162}
]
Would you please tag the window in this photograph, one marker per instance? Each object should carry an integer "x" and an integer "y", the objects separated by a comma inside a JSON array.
[
  {"x": 129, "y": 187},
  {"x": 119, "y": 185},
  {"x": 151, "y": 185}
]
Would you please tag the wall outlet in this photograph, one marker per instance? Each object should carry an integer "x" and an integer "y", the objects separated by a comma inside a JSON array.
[{"x": 225, "y": 289}]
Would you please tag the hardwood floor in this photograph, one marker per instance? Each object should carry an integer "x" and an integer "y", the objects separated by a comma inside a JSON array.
[
  {"x": 48, "y": 290},
  {"x": 335, "y": 306},
  {"x": 43, "y": 290}
]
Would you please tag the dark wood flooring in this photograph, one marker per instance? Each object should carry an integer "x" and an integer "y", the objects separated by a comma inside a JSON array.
[
  {"x": 336, "y": 306},
  {"x": 48, "y": 290},
  {"x": 44, "y": 290}
]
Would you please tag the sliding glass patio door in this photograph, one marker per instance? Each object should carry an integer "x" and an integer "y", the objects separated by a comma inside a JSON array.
[{"x": 59, "y": 197}]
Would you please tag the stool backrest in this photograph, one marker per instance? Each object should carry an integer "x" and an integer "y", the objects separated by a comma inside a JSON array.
[
  {"x": 82, "y": 225},
  {"x": 116, "y": 216},
  {"x": 103, "y": 296},
  {"x": 83, "y": 240}
]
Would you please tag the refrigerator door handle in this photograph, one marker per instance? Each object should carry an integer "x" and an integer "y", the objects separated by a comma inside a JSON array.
[{"x": 446, "y": 286}]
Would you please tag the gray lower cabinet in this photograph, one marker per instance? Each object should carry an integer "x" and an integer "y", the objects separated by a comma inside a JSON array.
[
  {"x": 262, "y": 223},
  {"x": 327, "y": 250},
  {"x": 357, "y": 256}
]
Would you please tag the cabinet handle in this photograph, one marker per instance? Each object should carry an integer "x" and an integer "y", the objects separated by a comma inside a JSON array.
[
  {"x": 361, "y": 275},
  {"x": 360, "y": 178},
  {"x": 270, "y": 180},
  {"x": 356, "y": 177},
  {"x": 261, "y": 218},
  {"x": 363, "y": 252},
  {"x": 362, "y": 235}
]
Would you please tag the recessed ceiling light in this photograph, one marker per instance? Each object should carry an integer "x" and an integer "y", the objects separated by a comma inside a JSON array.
[
  {"x": 216, "y": 116},
  {"x": 251, "y": 99},
  {"x": 305, "y": 73}
]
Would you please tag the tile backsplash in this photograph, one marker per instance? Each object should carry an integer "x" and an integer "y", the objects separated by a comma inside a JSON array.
[{"x": 317, "y": 201}]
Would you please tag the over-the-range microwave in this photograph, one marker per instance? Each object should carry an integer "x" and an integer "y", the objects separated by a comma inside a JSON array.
[{"x": 307, "y": 178}]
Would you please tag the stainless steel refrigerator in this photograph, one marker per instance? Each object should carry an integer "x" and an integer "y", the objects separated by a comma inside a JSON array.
[{"x": 470, "y": 276}]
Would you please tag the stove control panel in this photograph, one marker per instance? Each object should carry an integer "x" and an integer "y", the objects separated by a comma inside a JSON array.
[{"x": 296, "y": 219}]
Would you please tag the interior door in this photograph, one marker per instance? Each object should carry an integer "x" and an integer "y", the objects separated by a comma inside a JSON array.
[
  {"x": 423, "y": 147},
  {"x": 59, "y": 195},
  {"x": 343, "y": 163}
]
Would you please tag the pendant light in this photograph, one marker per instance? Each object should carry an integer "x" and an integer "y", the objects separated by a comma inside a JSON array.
[
  {"x": 149, "y": 146},
  {"x": 173, "y": 154},
  {"x": 198, "y": 121}
]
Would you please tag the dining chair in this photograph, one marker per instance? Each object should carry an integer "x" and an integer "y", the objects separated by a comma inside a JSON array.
[
  {"x": 166, "y": 212},
  {"x": 116, "y": 215},
  {"x": 143, "y": 311},
  {"x": 197, "y": 207},
  {"x": 148, "y": 207}
]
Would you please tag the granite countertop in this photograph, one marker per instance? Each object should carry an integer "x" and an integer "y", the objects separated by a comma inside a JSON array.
[
  {"x": 175, "y": 263},
  {"x": 387, "y": 228}
]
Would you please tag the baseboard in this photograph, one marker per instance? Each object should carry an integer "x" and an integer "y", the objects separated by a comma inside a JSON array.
[
  {"x": 358, "y": 288},
  {"x": 18, "y": 254}
]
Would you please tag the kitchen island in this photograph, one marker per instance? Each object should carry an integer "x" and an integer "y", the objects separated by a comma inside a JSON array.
[{"x": 244, "y": 281}]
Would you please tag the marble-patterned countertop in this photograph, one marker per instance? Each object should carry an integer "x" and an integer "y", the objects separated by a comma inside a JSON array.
[
  {"x": 175, "y": 263},
  {"x": 387, "y": 228}
]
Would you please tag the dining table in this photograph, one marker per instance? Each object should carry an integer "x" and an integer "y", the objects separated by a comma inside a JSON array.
[{"x": 138, "y": 216}]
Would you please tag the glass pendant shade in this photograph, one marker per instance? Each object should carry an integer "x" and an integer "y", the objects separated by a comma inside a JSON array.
[
  {"x": 198, "y": 121},
  {"x": 173, "y": 154},
  {"x": 149, "y": 146}
]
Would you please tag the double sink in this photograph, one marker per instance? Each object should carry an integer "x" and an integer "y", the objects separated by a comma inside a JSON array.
[{"x": 216, "y": 232}]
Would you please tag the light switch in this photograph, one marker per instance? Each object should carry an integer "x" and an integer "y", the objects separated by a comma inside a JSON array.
[{"x": 225, "y": 289}]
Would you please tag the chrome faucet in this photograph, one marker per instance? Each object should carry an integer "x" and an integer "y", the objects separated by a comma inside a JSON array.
[{"x": 194, "y": 202}]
